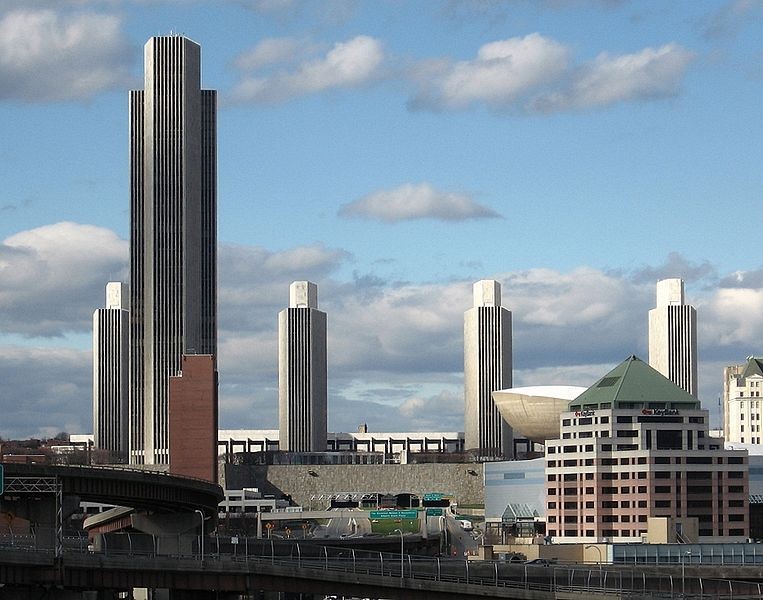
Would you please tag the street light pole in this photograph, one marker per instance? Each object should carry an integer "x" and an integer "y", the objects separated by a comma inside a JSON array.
[
  {"x": 201, "y": 533},
  {"x": 402, "y": 564},
  {"x": 599, "y": 551},
  {"x": 683, "y": 572}
]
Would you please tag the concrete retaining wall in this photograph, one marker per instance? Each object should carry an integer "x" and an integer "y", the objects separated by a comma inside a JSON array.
[{"x": 302, "y": 481}]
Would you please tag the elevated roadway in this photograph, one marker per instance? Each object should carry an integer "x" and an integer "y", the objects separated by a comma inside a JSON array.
[
  {"x": 136, "y": 488},
  {"x": 332, "y": 571}
]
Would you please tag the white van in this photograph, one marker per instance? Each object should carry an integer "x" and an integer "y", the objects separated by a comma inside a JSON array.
[{"x": 465, "y": 525}]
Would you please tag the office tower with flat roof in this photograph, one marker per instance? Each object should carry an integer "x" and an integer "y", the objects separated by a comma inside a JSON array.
[
  {"x": 111, "y": 372},
  {"x": 302, "y": 377},
  {"x": 487, "y": 368},
  {"x": 173, "y": 231},
  {"x": 673, "y": 336}
]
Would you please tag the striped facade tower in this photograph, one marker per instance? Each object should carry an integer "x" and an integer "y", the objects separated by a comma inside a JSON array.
[
  {"x": 111, "y": 372},
  {"x": 673, "y": 336},
  {"x": 302, "y": 376},
  {"x": 487, "y": 368},
  {"x": 173, "y": 237}
]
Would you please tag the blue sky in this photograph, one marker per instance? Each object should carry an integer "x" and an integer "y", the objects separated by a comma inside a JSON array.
[{"x": 394, "y": 152}]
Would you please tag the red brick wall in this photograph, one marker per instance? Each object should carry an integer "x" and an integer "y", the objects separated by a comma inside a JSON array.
[{"x": 193, "y": 419}]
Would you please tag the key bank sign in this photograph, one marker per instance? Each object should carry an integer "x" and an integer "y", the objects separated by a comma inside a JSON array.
[
  {"x": 585, "y": 413},
  {"x": 660, "y": 412}
]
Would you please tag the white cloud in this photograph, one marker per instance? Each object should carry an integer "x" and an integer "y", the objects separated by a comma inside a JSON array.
[
  {"x": 582, "y": 375},
  {"x": 51, "y": 279},
  {"x": 445, "y": 401},
  {"x": 729, "y": 18},
  {"x": 349, "y": 64},
  {"x": 734, "y": 317},
  {"x": 271, "y": 6},
  {"x": 47, "y": 57},
  {"x": 535, "y": 74},
  {"x": 502, "y": 73},
  {"x": 675, "y": 266},
  {"x": 649, "y": 74},
  {"x": 579, "y": 298},
  {"x": 272, "y": 51},
  {"x": 395, "y": 350},
  {"x": 416, "y": 201},
  {"x": 744, "y": 279},
  {"x": 45, "y": 390},
  {"x": 330, "y": 12},
  {"x": 254, "y": 282}
]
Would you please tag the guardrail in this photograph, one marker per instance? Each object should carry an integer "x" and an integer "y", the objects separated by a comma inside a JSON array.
[{"x": 305, "y": 560}]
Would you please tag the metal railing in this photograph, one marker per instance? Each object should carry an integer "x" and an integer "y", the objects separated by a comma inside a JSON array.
[{"x": 305, "y": 559}]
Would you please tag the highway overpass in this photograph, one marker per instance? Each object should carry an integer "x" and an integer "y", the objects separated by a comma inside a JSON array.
[{"x": 319, "y": 571}]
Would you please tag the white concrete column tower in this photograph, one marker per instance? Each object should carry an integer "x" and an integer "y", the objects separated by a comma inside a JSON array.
[
  {"x": 487, "y": 368},
  {"x": 673, "y": 336},
  {"x": 111, "y": 371},
  {"x": 302, "y": 376}
]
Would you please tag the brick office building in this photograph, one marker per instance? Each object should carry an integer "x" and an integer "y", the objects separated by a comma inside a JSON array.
[{"x": 634, "y": 446}]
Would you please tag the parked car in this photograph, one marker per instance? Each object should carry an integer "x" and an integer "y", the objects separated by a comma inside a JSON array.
[{"x": 541, "y": 562}]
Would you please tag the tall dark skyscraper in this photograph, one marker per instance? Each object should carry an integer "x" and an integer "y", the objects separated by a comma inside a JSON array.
[{"x": 173, "y": 234}]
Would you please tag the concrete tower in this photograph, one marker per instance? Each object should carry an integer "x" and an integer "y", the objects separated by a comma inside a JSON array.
[
  {"x": 302, "y": 379},
  {"x": 487, "y": 368},
  {"x": 173, "y": 234},
  {"x": 111, "y": 372},
  {"x": 673, "y": 336}
]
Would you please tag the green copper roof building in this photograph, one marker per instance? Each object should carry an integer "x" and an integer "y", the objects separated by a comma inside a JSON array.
[
  {"x": 636, "y": 447},
  {"x": 634, "y": 384}
]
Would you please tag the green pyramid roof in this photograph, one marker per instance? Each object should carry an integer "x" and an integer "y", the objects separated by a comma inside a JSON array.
[
  {"x": 754, "y": 367},
  {"x": 634, "y": 384}
]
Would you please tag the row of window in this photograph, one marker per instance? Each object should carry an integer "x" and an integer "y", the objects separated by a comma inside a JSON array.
[
  {"x": 674, "y": 444},
  {"x": 642, "y": 460},
  {"x": 605, "y": 533},
  {"x": 641, "y": 504},
  {"x": 735, "y": 532},
  {"x": 606, "y": 504},
  {"x": 574, "y": 505},
  {"x": 614, "y": 475},
  {"x": 641, "y": 489}
]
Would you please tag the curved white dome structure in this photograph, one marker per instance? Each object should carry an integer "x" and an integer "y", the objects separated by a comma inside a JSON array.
[{"x": 534, "y": 411}]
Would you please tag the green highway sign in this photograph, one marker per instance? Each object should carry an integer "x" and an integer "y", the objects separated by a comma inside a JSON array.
[
  {"x": 433, "y": 496},
  {"x": 394, "y": 514},
  {"x": 2, "y": 479},
  {"x": 434, "y": 512}
]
